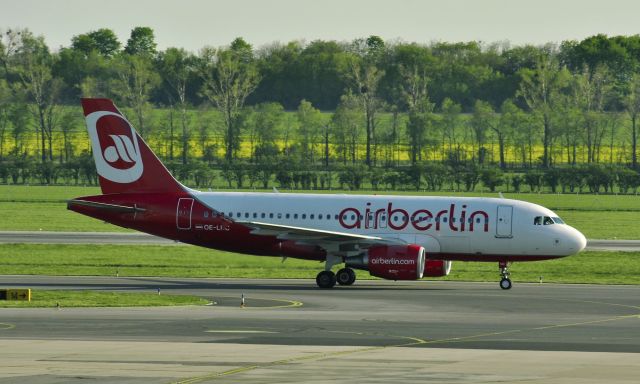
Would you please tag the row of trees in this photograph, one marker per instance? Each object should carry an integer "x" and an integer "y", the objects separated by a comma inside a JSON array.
[
  {"x": 442, "y": 101},
  {"x": 288, "y": 175}
]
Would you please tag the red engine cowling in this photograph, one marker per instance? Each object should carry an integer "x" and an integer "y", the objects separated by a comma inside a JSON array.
[
  {"x": 393, "y": 262},
  {"x": 437, "y": 268}
]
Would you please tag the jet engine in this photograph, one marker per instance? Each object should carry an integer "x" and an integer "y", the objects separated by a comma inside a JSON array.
[
  {"x": 393, "y": 262},
  {"x": 437, "y": 268}
]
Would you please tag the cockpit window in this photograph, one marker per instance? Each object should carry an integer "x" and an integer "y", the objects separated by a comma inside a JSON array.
[{"x": 546, "y": 220}]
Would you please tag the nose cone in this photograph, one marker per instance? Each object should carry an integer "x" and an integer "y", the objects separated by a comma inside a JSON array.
[{"x": 577, "y": 242}]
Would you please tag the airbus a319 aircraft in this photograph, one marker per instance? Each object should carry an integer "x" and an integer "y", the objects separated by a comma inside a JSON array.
[{"x": 392, "y": 237}]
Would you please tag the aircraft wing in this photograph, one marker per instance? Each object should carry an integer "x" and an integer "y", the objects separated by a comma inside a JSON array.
[{"x": 313, "y": 236}]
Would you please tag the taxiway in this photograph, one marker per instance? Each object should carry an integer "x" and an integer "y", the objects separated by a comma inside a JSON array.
[{"x": 291, "y": 331}]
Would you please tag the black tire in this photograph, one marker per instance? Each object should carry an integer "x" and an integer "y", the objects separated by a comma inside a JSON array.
[
  {"x": 346, "y": 276},
  {"x": 326, "y": 279},
  {"x": 505, "y": 283}
]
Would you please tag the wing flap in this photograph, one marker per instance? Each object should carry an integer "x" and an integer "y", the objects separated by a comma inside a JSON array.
[{"x": 287, "y": 232}]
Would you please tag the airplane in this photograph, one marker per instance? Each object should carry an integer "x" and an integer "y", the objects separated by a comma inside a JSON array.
[{"x": 391, "y": 237}]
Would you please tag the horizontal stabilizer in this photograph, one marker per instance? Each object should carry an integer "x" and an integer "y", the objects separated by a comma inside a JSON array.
[{"x": 104, "y": 206}]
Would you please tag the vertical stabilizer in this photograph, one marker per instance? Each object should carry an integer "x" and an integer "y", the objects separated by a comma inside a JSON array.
[{"x": 124, "y": 162}]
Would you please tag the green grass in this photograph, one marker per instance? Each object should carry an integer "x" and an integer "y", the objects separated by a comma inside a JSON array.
[
  {"x": 49, "y": 217},
  {"x": 101, "y": 299},
  {"x": 107, "y": 260},
  {"x": 604, "y": 224}
]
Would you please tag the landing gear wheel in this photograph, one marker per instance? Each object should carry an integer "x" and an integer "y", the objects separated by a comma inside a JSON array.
[
  {"x": 346, "y": 276},
  {"x": 326, "y": 279},
  {"x": 505, "y": 283}
]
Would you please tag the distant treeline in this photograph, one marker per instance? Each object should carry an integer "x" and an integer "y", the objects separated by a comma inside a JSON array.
[{"x": 390, "y": 108}]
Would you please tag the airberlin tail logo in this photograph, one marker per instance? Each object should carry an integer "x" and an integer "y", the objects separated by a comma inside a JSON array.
[{"x": 115, "y": 147}]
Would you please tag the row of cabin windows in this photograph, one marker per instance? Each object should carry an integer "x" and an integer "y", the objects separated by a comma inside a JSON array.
[
  {"x": 264, "y": 215},
  {"x": 320, "y": 216}
]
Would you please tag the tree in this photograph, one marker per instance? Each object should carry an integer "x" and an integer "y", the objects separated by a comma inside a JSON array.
[
  {"x": 540, "y": 88},
  {"x": 310, "y": 128},
  {"x": 507, "y": 123},
  {"x": 414, "y": 91},
  {"x": 39, "y": 87},
  {"x": 5, "y": 97},
  {"x": 449, "y": 123},
  {"x": 177, "y": 68},
  {"x": 134, "y": 81},
  {"x": 591, "y": 89},
  {"x": 632, "y": 107},
  {"x": 141, "y": 42},
  {"x": 346, "y": 127},
  {"x": 227, "y": 81},
  {"x": 365, "y": 77},
  {"x": 483, "y": 119},
  {"x": 104, "y": 41}
]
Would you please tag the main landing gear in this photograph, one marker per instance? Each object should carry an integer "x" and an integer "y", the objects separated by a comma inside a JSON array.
[
  {"x": 346, "y": 276},
  {"x": 505, "y": 282},
  {"x": 328, "y": 279}
]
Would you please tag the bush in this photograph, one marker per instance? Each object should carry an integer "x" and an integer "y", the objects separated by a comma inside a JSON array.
[
  {"x": 534, "y": 180},
  {"x": 492, "y": 178}
]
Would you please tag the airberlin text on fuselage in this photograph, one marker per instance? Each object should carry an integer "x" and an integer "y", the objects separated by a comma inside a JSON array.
[{"x": 421, "y": 219}]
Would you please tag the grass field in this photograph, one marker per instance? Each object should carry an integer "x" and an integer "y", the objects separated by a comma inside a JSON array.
[
  {"x": 33, "y": 208},
  {"x": 107, "y": 260},
  {"x": 65, "y": 299}
]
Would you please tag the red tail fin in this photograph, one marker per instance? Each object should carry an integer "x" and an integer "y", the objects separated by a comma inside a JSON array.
[{"x": 124, "y": 162}]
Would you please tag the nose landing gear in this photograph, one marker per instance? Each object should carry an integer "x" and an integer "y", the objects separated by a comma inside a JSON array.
[{"x": 505, "y": 282}]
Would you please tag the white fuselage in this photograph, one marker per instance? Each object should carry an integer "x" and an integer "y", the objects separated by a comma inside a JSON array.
[{"x": 446, "y": 225}]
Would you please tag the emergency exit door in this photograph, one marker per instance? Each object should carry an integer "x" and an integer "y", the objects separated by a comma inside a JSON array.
[
  {"x": 504, "y": 222},
  {"x": 183, "y": 213}
]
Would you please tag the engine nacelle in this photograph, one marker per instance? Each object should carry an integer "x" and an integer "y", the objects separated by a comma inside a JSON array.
[
  {"x": 395, "y": 262},
  {"x": 437, "y": 268}
]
